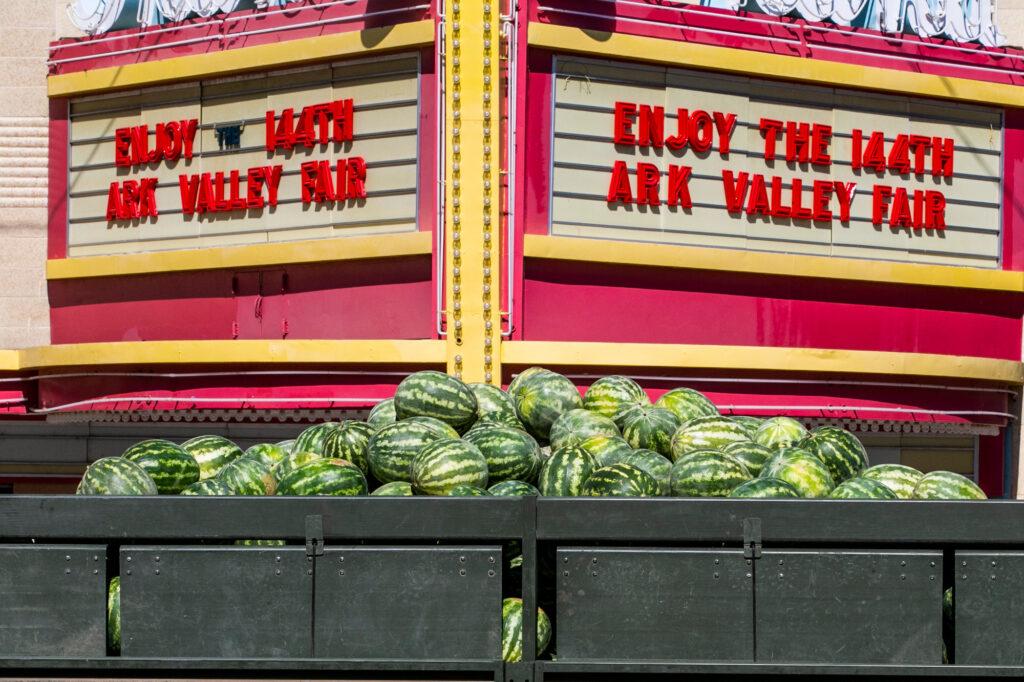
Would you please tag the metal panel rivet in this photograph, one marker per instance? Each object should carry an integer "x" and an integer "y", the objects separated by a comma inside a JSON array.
[
  {"x": 278, "y": 571},
  {"x": 462, "y": 559},
  {"x": 931, "y": 577},
  {"x": 491, "y": 559},
  {"x": 964, "y": 563},
  {"x": 780, "y": 576},
  {"x": 67, "y": 571},
  {"x": 780, "y": 562},
  {"x": 95, "y": 571},
  {"x": 594, "y": 560},
  {"x": 341, "y": 560},
  {"x": 128, "y": 559},
  {"x": 278, "y": 559},
  {"x": 565, "y": 573},
  {"x": 594, "y": 574},
  {"x": 490, "y": 574},
  {"x": 565, "y": 560},
  {"x": 748, "y": 562},
  {"x": 749, "y": 575},
  {"x": 309, "y": 571},
  {"x": 903, "y": 563},
  {"x": 129, "y": 571},
  {"x": 903, "y": 576},
  {"x": 932, "y": 564},
  {"x": 156, "y": 558},
  {"x": 993, "y": 576},
  {"x": 993, "y": 563},
  {"x": 157, "y": 571},
  {"x": 964, "y": 576},
  {"x": 462, "y": 571},
  {"x": 716, "y": 576},
  {"x": 67, "y": 557},
  {"x": 341, "y": 572},
  {"x": 717, "y": 561},
  {"x": 96, "y": 558}
]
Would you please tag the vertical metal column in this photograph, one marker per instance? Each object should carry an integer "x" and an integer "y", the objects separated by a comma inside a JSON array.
[{"x": 472, "y": 189}]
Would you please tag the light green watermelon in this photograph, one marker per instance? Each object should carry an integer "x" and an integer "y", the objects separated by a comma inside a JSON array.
[
  {"x": 898, "y": 478},
  {"x": 382, "y": 414},
  {"x": 512, "y": 630},
  {"x": 651, "y": 428},
  {"x": 687, "y": 404},
  {"x": 511, "y": 454},
  {"x": 764, "y": 488},
  {"x": 575, "y": 426},
  {"x": 517, "y": 381},
  {"x": 248, "y": 476},
  {"x": 335, "y": 477},
  {"x": 751, "y": 455},
  {"x": 513, "y": 489},
  {"x": 803, "y": 471},
  {"x": 544, "y": 397},
  {"x": 619, "y": 480},
  {"x": 212, "y": 452},
  {"x": 445, "y": 464},
  {"x": 780, "y": 432},
  {"x": 268, "y": 453},
  {"x": 614, "y": 396},
  {"x": 114, "y": 615},
  {"x": 438, "y": 395},
  {"x": 862, "y": 489},
  {"x": 946, "y": 485},
  {"x": 564, "y": 473},
  {"x": 706, "y": 473},
  {"x": 170, "y": 467},
  {"x": 606, "y": 450},
  {"x": 394, "y": 489},
  {"x": 312, "y": 438},
  {"x": 840, "y": 450},
  {"x": 749, "y": 424},
  {"x": 116, "y": 476},
  {"x": 293, "y": 462},
  {"x": 494, "y": 405},
  {"x": 464, "y": 490},
  {"x": 209, "y": 487},
  {"x": 438, "y": 426},
  {"x": 706, "y": 433}
]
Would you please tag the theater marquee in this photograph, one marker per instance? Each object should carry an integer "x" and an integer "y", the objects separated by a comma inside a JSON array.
[
  {"x": 299, "y": 154},
  {"x": 677, "y": 156}
]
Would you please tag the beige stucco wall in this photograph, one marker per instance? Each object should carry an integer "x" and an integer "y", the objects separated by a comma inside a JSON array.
[{"x": 1010, "y": 15}]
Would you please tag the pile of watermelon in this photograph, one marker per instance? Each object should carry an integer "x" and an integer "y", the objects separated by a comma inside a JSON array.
[{"x": 439, "y": 436}]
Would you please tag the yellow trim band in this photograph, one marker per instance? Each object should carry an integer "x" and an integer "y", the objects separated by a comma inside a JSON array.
[
  {"x": 216, "y": 352},
  {"x": 762, "y": 263},
  {"x": 759, "y": 358},
  {"x": 750, "y": 62},
  {"x": 261, "y": 57},
  {"x": 284, "y": 253},
  {"x": 10, "y": 361}
]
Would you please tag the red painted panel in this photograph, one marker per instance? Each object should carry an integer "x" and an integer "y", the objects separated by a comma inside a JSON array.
[
  {"x": 990, "y": 464},
  {"x": 536, "y": 199},
  {"x": 57, "y": 221},
  {"x": 238, "y": 29},
  {"x": 594, "y": 302},
  {"x": 375, "y": 299},
  {"x": 1013, "y": 180},
  {"x": 787, "y": 36}
]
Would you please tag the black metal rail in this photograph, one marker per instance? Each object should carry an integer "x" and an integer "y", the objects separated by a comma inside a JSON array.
[{"x": 637, "y": 589}]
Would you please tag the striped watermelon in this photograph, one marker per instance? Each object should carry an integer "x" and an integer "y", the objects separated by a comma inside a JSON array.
[
  {"x": 513, "y": 489},
  {"x": 544, "y": 397},
  {"x": 651, "y": 428},
  {"x": 248, "y": 476},
  {"x": 898, "y": 478},
  {"x": 350, "y": 442},
  {"x": 615, "y": 396},
  {"x": 382, "y": 414},
  {"x": 260, "y": 543},
  {"x": 212, "y": 452},
  {"x": 436, "y": 425},
  {"x": 494, "y": 405},
  {"x": 706, "y": 473},
  {"x": 658, "y": 466},
  {"x": 803, "y": 471},
  {"x": 750, "y": 455},
  {"x": 438, "y": 395},
  {"x": 293, "y": 462},
  {"x": 324, "y": 477},
  {"x": 512, "y": 630},
  {"x": 468, "y": 491},
  {"x": 511, "y": 454},
  {"x": 170, "y": 467},
  {"x": 565, "y": 472},
  {"x": 749, "y": 424},
  {"x": 620, "y": 480},
  {"x": 780, "y": 432},
  {"x": 517, "y": 382},
  {"x": 765, "y": 487},
  {"x": 840, "y": 450},
  {"x": 862, "y": 489},
  {"x": 287, "y": 445},
  {"x": 687, "y": 404},
  {"x": 606, "y": 450},
  {"x": 312, "y": 438},
  {"x": 116, "y": 476},
  {"x": 114, "y": 615},
  {"x": 575, "y": 426},
  {"x": 394, "y": 489},
  {"x": 268, "y": 453},
  {"x": 445, "y": 464},
  {"x": 209, "y": 487},
  {"x": 783, "y": 453},
  {"x": 706, "y": 433},
  {"x": 393, "y": 448},
  {"x": 946, "y": 485}
]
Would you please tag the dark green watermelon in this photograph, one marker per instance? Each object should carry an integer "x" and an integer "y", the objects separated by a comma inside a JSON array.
[
  {"x": 446, "y": 464},
  {"x": 619, "y": 480},
  {"x": 564, "y": 473},
  {"x": 351, "y": 442},
  {"x": 513, "y": 489},
  {"x": 575, "y": 426},
  {"x": 170, "y": 467},
  {"x": 780, "y": 432},
  {"x": 898, "y": 478},
  {"x": 494, "y": 405},
  {"x": 335, "y": 477},
  {"x": 658, "y": 466},
  {"x": 312, "y": 438},
  {"x": 861, "y": 489},
  {"x": 510, "y": 453},
  {"x": 517, "y": 381},
  {"x": 544, "y": 397},
  {"x": 706, "y": 433},
  {"x": 687, "y": 404},
  {"x": 248, "y": 476},
  {"x": 114, "y": 615},
  {"x": 750, "y": 455},
  {"x": 394, "y": 446},
  {"x": 382, "y": 414},
  {"x": 651, "y": 428},
  {"x": 116, "y": 476},
  {"x": 438, "y": 395},
  {"x": 707, "y": 473},
  {"x": 209, "y": 487},
  {"x": 764, "y": 487},
  {"x": 468, "y": 491},
  {"x": 212, "y": 452},
  {"x": 269, "y": 453},
  {"x": 615, "y": 396},
  {"x": 394, "y": 489},
  {"x": 803, "y": 471},
  {"x": 293, "y": 462},
  {"x": 946, "y": 485},
  {"x": 512, "y": 630},
  {"x": 840, "y": 450},
  {"x": 606, "y": 450}
]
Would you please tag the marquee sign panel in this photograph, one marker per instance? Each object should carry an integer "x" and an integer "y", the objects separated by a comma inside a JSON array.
[
  {"x": 760, "y": 165},
  {"x": 193, "y": 165}
]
